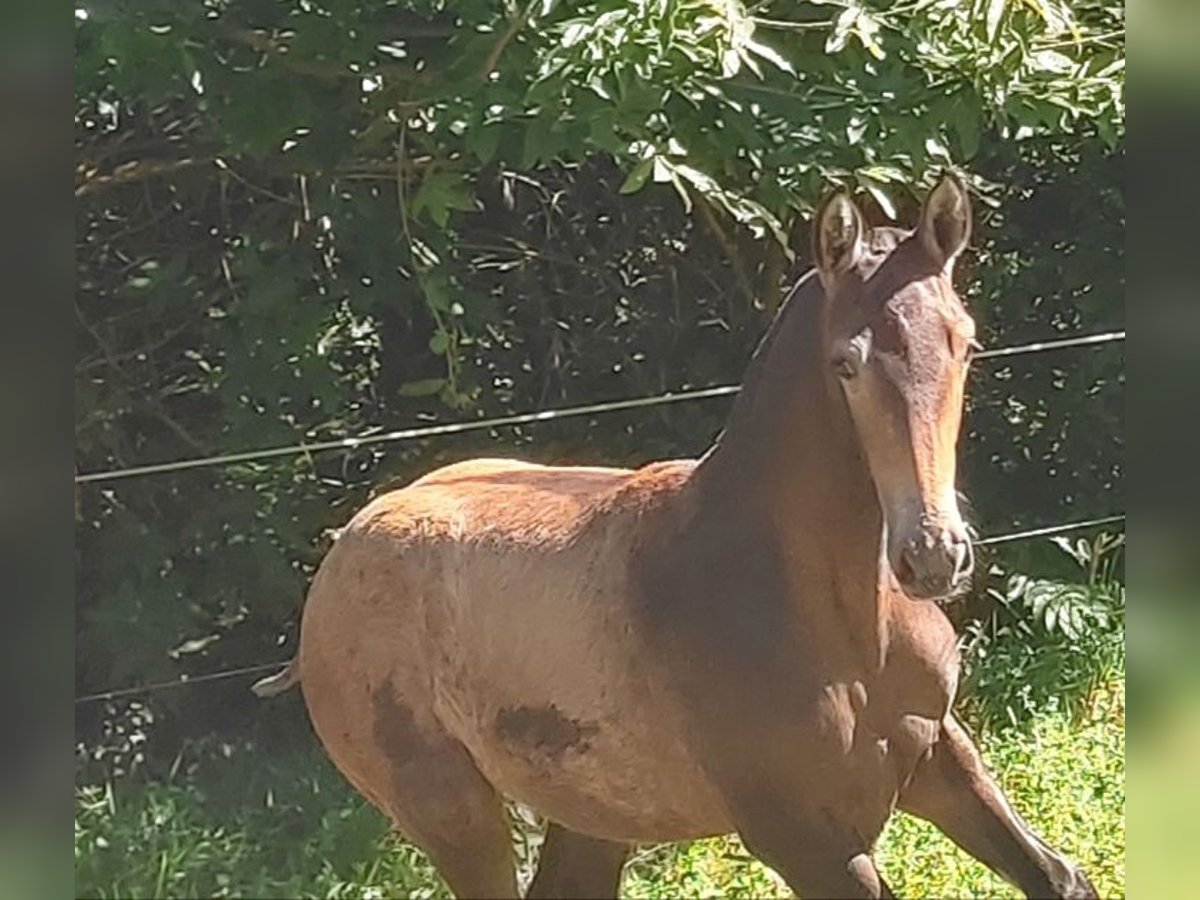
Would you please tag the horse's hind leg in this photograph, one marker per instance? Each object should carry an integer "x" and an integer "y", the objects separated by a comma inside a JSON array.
[
  {"x": 953, "y": 791},
  {"x": 460, "y": 824},
  {"x": 577, "y": 867},
  {"x": 398, "y": 756},
  {"x": 441, "y": 801}
]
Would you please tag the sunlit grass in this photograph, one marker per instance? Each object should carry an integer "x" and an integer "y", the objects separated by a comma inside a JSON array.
[
  {"x": 258, "y": 832},
  {"x": 1067, "y": 780}
]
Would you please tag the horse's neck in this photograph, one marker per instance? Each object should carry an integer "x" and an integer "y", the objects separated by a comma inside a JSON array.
[{"x": 789, "y": 461}]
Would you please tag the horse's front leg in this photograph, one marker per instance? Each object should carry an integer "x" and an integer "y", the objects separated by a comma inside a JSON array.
[
  {"x": 951, "y": 789},
  {"x": 815, "y": 855}
]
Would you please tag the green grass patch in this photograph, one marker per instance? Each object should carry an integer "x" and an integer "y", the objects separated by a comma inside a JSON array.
[
  {"x": 1067, "y": 780},
  {"x": 294, "y": 829}
]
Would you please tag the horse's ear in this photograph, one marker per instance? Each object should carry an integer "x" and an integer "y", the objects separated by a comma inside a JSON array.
[
  {"x": 837, "y": 235},
  {"x": 946, "y": 221}
]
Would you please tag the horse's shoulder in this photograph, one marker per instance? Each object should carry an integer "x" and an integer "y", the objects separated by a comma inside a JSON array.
[{"x": 923, "y": 656}]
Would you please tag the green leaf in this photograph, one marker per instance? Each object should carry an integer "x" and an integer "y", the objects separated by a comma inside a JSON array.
[
  {"x": 995, "y": 12},
  {"x": 439, "y": 343},
  {"x": 881, "y": 197},
  {"x": 855, "y": 129},
  {"x": 539, "y": 144},
  {"x": 731, "y": 63},
  {"x": 482, "y": 140},
  {"x": 1053, "y": 61},
  {"x": 966, "y": 122},
  {"x": 437, "y": 293},
  {"x": 884, "y": 174},
  {"x": 1051, "y": 617},
  {"x": 866, "y": 28},
  {"x": 440, "y": 193},
  {"x": 602, "y": 133},
  {"x": 637, "y": 178},
  {"x": 769, "y": 54},
  {"x": 842, "y": 29},
  {"x": 426, "y": 387},
  {"x": 935, "y": 148},
  {"x": 662, "y": 170}
]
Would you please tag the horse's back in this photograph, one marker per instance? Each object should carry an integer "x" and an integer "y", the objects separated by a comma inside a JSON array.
[
  {"x": 463, "y": 554},
  {"x": 503, "y": 504},
  {"x": 443, "y": 552},
  {"x": 574, "y": 479}
]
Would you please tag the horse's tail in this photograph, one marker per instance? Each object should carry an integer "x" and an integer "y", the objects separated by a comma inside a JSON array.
[{"x": 281, "y": 681}]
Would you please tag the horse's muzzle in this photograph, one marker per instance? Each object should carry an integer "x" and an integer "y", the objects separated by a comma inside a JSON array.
[{"x": 932, "y": 564}]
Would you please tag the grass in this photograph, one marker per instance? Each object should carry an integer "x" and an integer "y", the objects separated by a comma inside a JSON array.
[
  {"x": 293, "y": 829},
  {"x": 1067, "y": 779}
]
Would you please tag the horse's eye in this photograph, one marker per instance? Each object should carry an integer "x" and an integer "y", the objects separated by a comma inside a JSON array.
[{"x": 845, "y": 368}]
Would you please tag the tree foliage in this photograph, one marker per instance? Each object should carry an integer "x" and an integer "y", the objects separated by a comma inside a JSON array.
[{"x": 300, "y": 220}]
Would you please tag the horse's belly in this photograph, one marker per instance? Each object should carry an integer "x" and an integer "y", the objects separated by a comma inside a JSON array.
[
  {"x": 599, "y": 777},
  {"x": 569, "y": 721}
]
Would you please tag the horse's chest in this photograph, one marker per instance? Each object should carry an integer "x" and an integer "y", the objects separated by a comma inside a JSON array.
[
  {"x": 871, "y": 731},
  {"x": 888, "y": 744},
  {"x": 903, "y": 709},
  {"x": 865, "y": 752}
]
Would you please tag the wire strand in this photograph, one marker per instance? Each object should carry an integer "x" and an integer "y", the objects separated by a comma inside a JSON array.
[
  {"x": 262, "y": 667},
  {"x": 1042, "y": 346},
  {"x": 179, "y": 682},
  {"x": 1049, "y": 530},
  {"x": 407, "y": 434}
]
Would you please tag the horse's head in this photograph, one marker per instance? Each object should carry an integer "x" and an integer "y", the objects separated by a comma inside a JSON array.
[{"x": 897, "y": 342}]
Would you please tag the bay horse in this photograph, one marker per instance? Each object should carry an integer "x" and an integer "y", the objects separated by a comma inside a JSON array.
[{"x": 746, "y": 642}]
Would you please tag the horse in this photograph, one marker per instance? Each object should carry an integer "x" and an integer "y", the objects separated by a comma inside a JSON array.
[{"x": 750, "y": 642}]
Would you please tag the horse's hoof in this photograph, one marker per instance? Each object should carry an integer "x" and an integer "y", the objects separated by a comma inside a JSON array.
[{"x": 1080, "y": 888}]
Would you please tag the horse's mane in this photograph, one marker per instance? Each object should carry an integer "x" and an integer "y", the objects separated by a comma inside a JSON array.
[
  {"x": 794, "y": 334},
  {"x": 795, "y": 321}
]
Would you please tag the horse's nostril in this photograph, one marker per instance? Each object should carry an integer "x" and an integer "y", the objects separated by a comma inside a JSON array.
[
  {"x": 964, "y": 560},
  {"x": 933, "y": 564}
]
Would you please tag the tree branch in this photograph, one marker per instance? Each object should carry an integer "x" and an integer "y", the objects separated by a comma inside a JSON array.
[
  {"x": 783, "y": 25},
  {"x": 771, "y": 288},
  {"x": 728, "y": 245},
  {"x": 148, "y": 169},
  {"x": 278, "y": 49},
  {"x": 140, "y": 170},
  {"x": 514, "y": 26}
]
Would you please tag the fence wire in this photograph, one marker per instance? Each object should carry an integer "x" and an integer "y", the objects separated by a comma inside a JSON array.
[
  {"x": 117, "y": 693},
  {"x": 548, "y": 415},
  {"x": 521, "y": 419}
]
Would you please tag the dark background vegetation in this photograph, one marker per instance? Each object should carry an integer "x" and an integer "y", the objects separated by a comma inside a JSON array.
[{"x": 298, "y": 221}]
